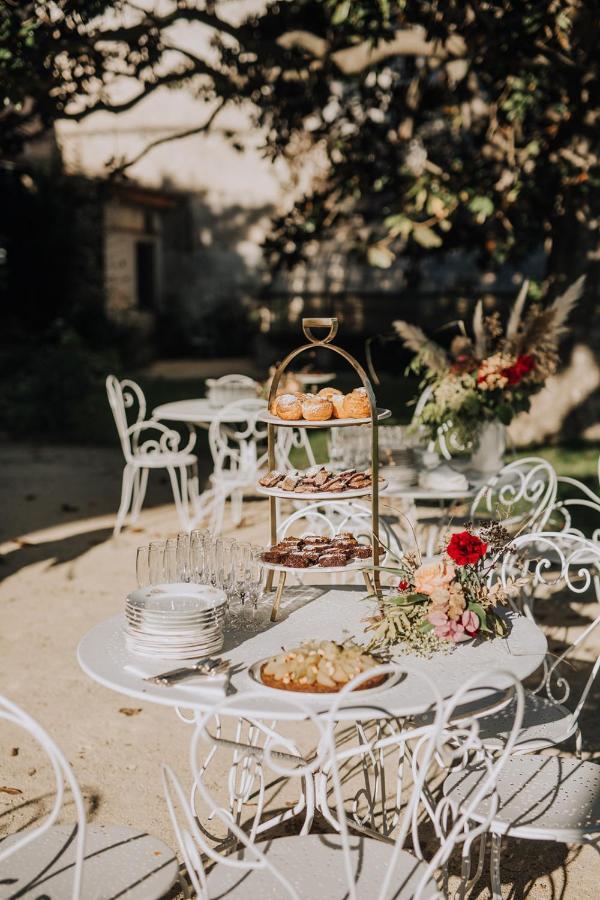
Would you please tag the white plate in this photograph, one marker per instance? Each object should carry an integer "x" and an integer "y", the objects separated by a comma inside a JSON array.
[
  {"x": 182, "y": 630},
  {"x": 314, "y": 378},
  {"x": 180, "y": 654},
  {"x": 328, "y": 423},
  {"x": 318, "y": 495},
  {"x": 175, "y": 618},
  {"x": 254, "y": 673},
  {"x": 354, "y": 566},
  {"x": 176, "y": 598},
  {"x": 172, "y": 640}
]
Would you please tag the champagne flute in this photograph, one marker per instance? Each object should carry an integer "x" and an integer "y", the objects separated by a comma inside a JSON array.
[
  {"x": 156, "y": 562},
  {"x": 170, "y": 561},
  {"x": 183, "y": 556},
  {"x": 142, "y": 566}
]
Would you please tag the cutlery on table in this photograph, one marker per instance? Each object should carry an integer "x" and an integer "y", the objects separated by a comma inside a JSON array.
[{"x": 207, "y": 666}]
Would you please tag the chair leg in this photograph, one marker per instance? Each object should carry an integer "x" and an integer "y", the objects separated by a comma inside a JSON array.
[
  {"x": 495, "y": 867},
  {"x": 180, "y": 494},
  {"x": 140, "y": 483},
  {"x": 126, "y": 492},
  {"x": 218, "y": 511},
  {"x": 237, "y": 506}
]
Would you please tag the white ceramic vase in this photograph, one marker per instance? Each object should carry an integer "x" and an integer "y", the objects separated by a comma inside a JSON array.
[{"x": 492, "y": 444}]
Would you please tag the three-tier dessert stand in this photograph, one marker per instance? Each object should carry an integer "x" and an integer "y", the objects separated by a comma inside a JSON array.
[{"x": 274, "y": 422}]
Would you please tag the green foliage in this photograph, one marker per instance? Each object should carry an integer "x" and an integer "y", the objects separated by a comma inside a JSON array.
[{"x": 478, "y": 129}]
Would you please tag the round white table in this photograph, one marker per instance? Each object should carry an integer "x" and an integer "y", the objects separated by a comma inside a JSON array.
[
  {"x": 334, "y": 613},
  {"x": 202, "y": 412},
  {"x": 322, "y": 612},
  {"x": 194, "y": 412}
]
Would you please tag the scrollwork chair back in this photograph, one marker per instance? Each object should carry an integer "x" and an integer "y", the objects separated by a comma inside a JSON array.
[
  {"x": 520, "y": 495},
  {"x": 559, "y": 562},
  {"x": 63, "y": 774}
]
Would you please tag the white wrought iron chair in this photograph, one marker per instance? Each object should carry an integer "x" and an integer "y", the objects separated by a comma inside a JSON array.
[
  {"x": 520, "y": 495},
  {"x": 311, "y": 865},
  {"x": 80, "y": 860},
  {"x": 537, "y": 798},
  {"x": 148, "y": 444},
  {"x": 231, "y": 389},
  {"x": 573, "y": 514},
  {"x": 238, "y": 448},
  {"x": 566, "y": 565}
]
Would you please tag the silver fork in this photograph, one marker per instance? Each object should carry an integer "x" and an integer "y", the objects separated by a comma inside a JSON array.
[{"x": 207, "y": 666}]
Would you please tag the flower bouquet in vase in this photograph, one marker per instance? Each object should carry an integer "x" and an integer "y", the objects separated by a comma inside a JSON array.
[
  {"x": 447, "y": 599},
  {"x": 471, "y": 392}
]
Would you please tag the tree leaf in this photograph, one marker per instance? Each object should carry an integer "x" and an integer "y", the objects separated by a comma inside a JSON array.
[
  {"x": 380, "y": 256},
  {"x": 341, "y": 12},
  {"x": 426, "y": 236},
  {"x": 481, "y": 207}
]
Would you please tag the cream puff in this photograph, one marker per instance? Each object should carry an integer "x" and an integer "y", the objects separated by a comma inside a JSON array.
[
  {"x": 317, "y": 409},
  {"x": 356, "y": 405}
]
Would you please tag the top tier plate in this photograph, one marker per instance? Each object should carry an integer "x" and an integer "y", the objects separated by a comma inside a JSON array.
[{"x": 328, "y": 423}]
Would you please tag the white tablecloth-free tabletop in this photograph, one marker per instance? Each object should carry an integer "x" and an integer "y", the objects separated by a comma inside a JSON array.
[
  {"x": 316, "y": 612},
  {"x": 195, "y": 412}
]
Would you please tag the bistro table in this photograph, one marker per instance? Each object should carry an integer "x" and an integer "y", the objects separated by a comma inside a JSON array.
[
  {"x": 337, "y": 613},
  {"x": 201, "y": 412},
  {"x": 309, "y": 612}
]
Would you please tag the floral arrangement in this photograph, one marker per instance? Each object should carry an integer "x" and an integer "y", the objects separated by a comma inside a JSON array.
[
  {"x": 446, "y": 600},
  {"x": 492, "y": 375}
]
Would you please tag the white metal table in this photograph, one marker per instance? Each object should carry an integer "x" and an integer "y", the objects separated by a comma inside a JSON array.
[
  {"x": 335, "y": 613},
  {"x": 311, "y": 612},
  {"x": 201, "y": 412}
]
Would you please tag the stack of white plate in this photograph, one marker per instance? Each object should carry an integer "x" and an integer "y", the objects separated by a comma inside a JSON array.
[{"x": 178, "y": 621}]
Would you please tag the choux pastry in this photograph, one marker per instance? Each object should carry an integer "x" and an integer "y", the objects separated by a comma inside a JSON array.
[
  {"x": 288, "y": 406},
  {"x": 330, "y": 392},
  {"x": 317, "y": 409},
  {"x": 356, "y": 405}
]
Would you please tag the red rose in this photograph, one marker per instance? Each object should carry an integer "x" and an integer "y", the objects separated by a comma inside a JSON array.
[
  {"x": 403, "y": 585},
  {"x": 520, "y": 368},
  {"x": 466, "y": 548}
]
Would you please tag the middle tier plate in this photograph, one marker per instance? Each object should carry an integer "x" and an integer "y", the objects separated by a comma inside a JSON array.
[
  {"x": 318, "y": 495},
  {"x": 355, "y": 566}
]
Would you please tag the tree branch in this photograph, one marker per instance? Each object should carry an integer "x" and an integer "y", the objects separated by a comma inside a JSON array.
[
  {"x": 149, "y": 88},
  {"x": 176, "y": 136},
  {"x": 353, "y": 60}
]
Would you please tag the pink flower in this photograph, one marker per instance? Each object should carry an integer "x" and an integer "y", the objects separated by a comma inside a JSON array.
[
  {"x": 470, "y": 621},
  {"x": 445, "y": 628},
  {"x": 437, "y": 617},
  {"x": 430, "y": 576}
]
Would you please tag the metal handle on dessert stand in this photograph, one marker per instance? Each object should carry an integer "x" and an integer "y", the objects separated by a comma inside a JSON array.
[{"x": 327, "y": 343}]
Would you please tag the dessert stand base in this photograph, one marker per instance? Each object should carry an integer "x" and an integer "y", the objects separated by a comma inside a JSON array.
[{"x": 281, "y": 585}]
